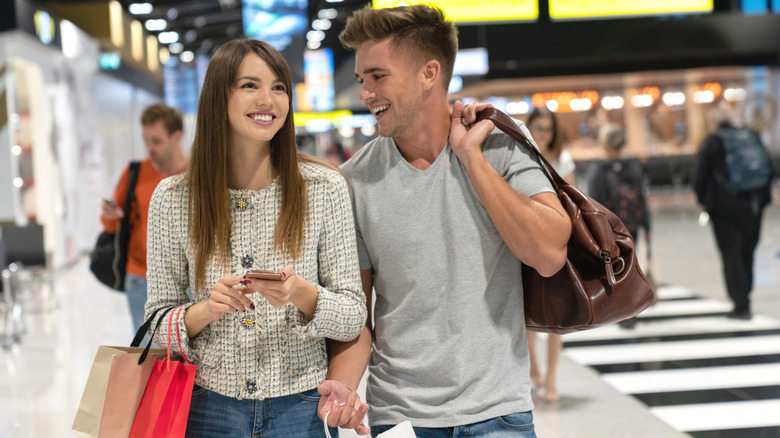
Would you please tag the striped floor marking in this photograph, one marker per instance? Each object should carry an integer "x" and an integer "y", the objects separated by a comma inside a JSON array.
[
  {"x": 714, "y": 416},
  {"x": 701, "y": 373}
]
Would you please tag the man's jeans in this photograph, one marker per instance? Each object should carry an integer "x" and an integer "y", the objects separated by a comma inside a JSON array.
[
  {"x": 517, "y": 425},
  {"x": 135, "y": 288}
]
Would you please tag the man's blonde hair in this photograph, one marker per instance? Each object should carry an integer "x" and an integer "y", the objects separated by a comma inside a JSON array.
[{"x": 420, "y": 33}]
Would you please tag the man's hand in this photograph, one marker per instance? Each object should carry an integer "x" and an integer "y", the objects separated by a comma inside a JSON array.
[
  {"x": 466, "y": 138},
  {"x": 110, "y": 210},
  {"x": 342, "y": 406}
]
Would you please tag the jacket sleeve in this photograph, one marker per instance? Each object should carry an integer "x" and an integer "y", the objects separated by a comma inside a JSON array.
[
  {"x": 341, "y": 305},
  {"x": 167, "y": 272}
]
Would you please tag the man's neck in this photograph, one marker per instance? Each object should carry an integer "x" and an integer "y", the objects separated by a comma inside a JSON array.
[
  {"x": 423, "y": 144},
  {"x": 174, "y": 165}
]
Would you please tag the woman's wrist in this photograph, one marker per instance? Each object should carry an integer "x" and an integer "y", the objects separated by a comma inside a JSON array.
[{"x": 305, "y": 298}]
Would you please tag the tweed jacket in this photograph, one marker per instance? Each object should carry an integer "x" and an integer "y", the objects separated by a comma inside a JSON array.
[{"x": 266, "y": 352}]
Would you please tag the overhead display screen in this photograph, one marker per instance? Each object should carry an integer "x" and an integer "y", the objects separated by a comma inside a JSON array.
[
  {"x": 475, "y": 11},
  {"x": 586, "y": 9}
]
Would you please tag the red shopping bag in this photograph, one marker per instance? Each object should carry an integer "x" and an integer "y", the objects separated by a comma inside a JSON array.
[{"x": 165, "y": 405}]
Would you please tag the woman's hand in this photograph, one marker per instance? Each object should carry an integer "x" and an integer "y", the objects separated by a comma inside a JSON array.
[
  {"x": 229, "y": 295},
  {"x": 292, "y": 288}
]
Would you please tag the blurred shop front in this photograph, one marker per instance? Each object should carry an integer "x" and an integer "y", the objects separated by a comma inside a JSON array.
[
  {"x": 664, "y": 113},
  {"x": 71, "y": 94},
  {"x": 655, "y": 68}
]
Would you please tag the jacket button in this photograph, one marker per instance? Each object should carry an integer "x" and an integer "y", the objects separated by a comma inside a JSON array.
[
  {"x": 246, "y": 261},
  {"x": 251, "y": 386}
]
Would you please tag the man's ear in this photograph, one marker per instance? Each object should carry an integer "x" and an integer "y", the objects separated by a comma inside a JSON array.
[
  {"x": 177, "y": 136},
  {"x": 431, "y": 73}
]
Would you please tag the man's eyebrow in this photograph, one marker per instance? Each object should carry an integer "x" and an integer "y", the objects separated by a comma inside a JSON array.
[{"x": 370, "y": 70}]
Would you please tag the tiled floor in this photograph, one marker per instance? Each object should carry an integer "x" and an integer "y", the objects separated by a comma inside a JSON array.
[{"x": 684, "y": 369}]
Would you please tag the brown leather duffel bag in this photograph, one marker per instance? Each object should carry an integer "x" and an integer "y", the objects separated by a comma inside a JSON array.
[{"x": 601, "y": 282}]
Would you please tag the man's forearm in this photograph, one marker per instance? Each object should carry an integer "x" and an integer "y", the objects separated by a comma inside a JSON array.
[{"x": 348, "y": 360}]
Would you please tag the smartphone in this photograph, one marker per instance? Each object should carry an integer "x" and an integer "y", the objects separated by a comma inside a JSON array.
[
  {"x": 264, "y": 275},
  {"x": 110, "y": 202}
]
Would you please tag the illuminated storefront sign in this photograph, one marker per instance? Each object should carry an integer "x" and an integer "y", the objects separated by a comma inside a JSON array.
[
  {"x": 476, "y": 11},
  {"x": 566, "y": 101},
  {"x": 586, "y": 9}
]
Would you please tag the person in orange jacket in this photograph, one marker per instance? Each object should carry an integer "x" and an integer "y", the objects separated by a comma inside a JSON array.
[{"x": 161, "y": 127}]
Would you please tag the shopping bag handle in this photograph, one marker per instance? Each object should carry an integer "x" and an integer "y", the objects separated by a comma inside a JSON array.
[
  {"x": 139, "y": 335},
  {"x": 178, "y": 337}
]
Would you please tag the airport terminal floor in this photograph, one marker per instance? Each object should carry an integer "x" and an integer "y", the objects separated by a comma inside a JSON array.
[{"x": 685, "y": 369}]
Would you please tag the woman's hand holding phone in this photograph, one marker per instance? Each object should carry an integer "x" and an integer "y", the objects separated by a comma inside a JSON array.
[
  {"x": 282, "y": 287},
  {"x": 260, "y": 274}
]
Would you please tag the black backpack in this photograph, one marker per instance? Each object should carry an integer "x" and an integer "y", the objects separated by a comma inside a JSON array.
[
  {"x": 626, "y": 199},
  {"x": 109, "y": 258},
  {"x": 748, "y": 165}
]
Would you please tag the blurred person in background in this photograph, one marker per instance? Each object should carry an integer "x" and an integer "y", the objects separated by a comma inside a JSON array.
[
  {"x": 734, "y": 210},
  {"x": 446, "y": 214},
  {"x": 161, "y": 128},
  {"x": 618, "y": 183},
  {"x": 251, "y": 201},
  {"x": 336, "y": 154},
  {"x": 543, "y": 125}
]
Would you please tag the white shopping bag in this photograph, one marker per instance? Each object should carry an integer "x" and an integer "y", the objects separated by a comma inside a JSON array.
[{"x": 402, "y": 430}]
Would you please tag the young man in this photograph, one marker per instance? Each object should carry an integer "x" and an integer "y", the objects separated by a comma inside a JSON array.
[
  {"x": 445, "y": 214},
  {"x": 161, "y": 127}
]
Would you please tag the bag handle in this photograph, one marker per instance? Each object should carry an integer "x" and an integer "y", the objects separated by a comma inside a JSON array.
[
  {"x": 178, "y": 337},
  {"x": 506, "y": 124},
  {"x": 139, "y": 335}
]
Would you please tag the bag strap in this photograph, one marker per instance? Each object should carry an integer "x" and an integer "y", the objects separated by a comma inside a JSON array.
[
  {"x": 132, "y": 179},
  {"x": 506, "y": 124},
  {"x": 139, "y": 335}
]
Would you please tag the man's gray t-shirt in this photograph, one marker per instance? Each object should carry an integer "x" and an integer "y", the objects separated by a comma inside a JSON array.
[{"x": 449, "y": 345}]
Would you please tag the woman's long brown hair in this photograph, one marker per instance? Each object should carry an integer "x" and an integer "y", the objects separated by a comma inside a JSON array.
[{"x": 209, "y": 200}]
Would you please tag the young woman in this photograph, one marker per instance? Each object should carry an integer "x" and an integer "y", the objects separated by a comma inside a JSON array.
[
  {"x": 251, "y": 201},
  {"x": 544, "y": 129}
]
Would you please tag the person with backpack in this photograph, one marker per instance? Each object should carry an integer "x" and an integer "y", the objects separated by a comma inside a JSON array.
[
  {"x": 732, "y": 175},
  {"x": 619, "y": 184},
  {"x": 161, "y": 129}
]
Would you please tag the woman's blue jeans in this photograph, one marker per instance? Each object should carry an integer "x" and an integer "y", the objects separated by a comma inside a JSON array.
[{"x": 295, "y": 416}]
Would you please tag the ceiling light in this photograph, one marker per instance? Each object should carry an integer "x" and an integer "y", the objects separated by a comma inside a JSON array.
[
  {"x": 321, "y": 24},
  {"x": 315, "y": 35},
  {"x": 168, "y": 37},
  {"x": 155, "y": 24},
  {"x": 176, "y": 47},
  {"x": 187, "y": 56},
  {"x": 140, "y": 8},
  {"x": 329, "y": 13}
]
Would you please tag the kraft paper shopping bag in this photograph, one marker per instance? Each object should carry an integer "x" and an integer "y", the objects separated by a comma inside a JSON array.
[{"x": 113, "y": 391}]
